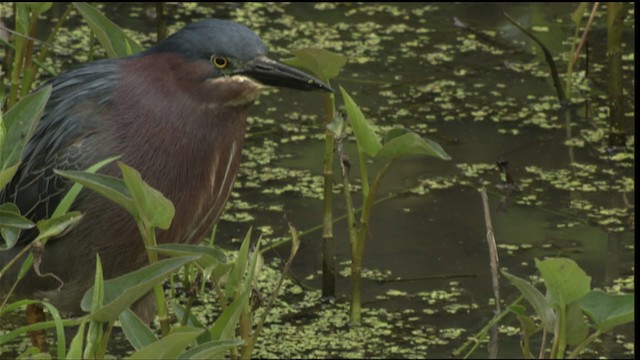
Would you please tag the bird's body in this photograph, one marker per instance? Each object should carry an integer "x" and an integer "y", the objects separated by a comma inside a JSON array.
[{"x": 175, "y": 114}]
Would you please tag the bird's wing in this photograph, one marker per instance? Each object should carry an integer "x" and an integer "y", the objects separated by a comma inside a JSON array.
[{"x": 62, "y": 140}]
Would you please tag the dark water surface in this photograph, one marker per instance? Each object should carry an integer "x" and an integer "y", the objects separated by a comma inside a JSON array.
[{"x": 482, "y": 100}]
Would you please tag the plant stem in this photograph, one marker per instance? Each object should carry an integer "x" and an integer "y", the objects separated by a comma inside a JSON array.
[
  {"x": 477, "y": 338},
  {"x": 328, "y": 245},
  {"x": 615, "y": 22},
  {"x": 357, "y": 248},
  {"x": 573, "y": 354}
]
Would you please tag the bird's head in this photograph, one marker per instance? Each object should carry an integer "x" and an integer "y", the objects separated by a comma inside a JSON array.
[{"x": 228, "y": 62}]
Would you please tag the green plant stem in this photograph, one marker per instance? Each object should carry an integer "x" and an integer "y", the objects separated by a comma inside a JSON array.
[
  {"x": 357, "y": 246},
  {"x": 247, "y": 350},
  {"x": 28, "y": 68},
  {"x": 615, "y": 23},
  {"x": 364, "y": 176},
  {"x": 149, "y": 238},
  {"x": 328, "y": 244},
  {"x": 16, "y": 68},
  {"x": 477, "y": 338},
  {"x": 561, "y": 332},
  {"x": 245, "y": 331},
  {"x": 354, "y": 316},
  {"x": 573, "y": 354}
]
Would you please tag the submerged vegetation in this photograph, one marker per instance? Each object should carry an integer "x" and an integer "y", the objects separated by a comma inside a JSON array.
[{"x": 480, "y": 88}]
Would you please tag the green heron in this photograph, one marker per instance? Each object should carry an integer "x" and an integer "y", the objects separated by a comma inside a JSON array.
[{"x": 177, "y": 113}]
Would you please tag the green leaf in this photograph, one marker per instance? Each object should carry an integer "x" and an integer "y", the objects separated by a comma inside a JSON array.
[
  {"x": 98, "y": 286},
  {"x": 225, "y": 326},
  {"x": 323, "y": 63},
  {"x": 577, "y": 327},
  {"x": 111, "y": 37},
  {"x": 209, "y": 256},
  {"x": 411, "y": 144},
  {"x": 11, "y": 223},
  {"x": 210, "y": 350},
  {"x": 536, "y": 299},
  {"x": 7, "y": 174},
  {"x": 75, "y": 348},
  {"x": 53, "y": 227},
  {"x": 234, "y": 282},
  {"x": 170, "y": 346},
  {"x": 135, "y": 330},
  {"x": 124, "y": 290},
  {"x": 155, "y": 209},
  {"x": 20, "y": 122},
  {"x": 566, "y": 282},
  {"x": 70, "y": 196},
  {"x": 366, "y": 137},
  {"x": 608, "y": 311},
  {"x": 577, "y": 15},
  {"x": 112, "y": 188},
  {"x": 39, "y": 7}
]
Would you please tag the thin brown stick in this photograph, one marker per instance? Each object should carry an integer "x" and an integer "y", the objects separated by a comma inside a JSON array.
[{"x": 493, "y": 263}]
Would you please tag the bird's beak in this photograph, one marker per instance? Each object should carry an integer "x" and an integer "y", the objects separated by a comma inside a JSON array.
[{"x": 273, "y": 73}]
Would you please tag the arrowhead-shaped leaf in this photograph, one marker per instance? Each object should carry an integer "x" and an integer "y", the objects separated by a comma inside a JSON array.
[
  {"x": 566, "y": 282},
  {"x": 121, "y": 292},
  {"x": 411, "y": 144},
  {"x": 323, "y": 63},
  {"x": 535, "y": 298},
  {"x": 170, "y": 346},
  {"x": 151, "y": 206},
  {"x": 135, "y": 330},
  {"x": 111, "y": 37},
  {"x": 366, "y": 137},
  {"x": 20, "y": 123},
  {"x": 112, "y": 188},
  {"x": 608, "y": 311}
]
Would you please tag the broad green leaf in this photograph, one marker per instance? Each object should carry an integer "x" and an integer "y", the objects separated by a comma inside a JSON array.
[
  {"x": 75, "y": 348},
  {"x": 7, "y": 174},
  {"x": 11, "y": 223},
  {"x": 394, "y": 133},
  {"x": 52, "y": 227},
  {"x": 20, "y": 122},
  {"x": 366, "y": 137},
  {"x": 170, "y": 346},
  {"x": 323, "y": 63},
  {"x": 577, "y": 327},
  {"x": 536, "y": 299},
  {"x": 411, "y": 144},
  {"x": 577, "y": 15},
  {"x": 151, "y": 205},
  {"x": 234, "y": 282},
  {"x": 110, "y": 35},
  {"x": 39, "y": 7},
  {"x": 210, "y": 350},
  {"x": 124, "y": 290},
  {"x": 135, "y": 330},
  {"x": 209, "y": 256},
  {"x": 112, "y": 188},
  {"x": 70, "y": 196},
  {"x": 225, "y": 326},
  {"x": 566, "y": 282},
  {"x": 607, "y": 310}
]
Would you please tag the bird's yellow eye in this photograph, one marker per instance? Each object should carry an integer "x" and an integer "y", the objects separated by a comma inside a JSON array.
[{"x": 219, "y": 62}]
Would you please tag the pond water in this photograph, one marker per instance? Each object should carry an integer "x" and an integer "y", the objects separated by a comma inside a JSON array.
[{"x": 484, "y": 100}]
